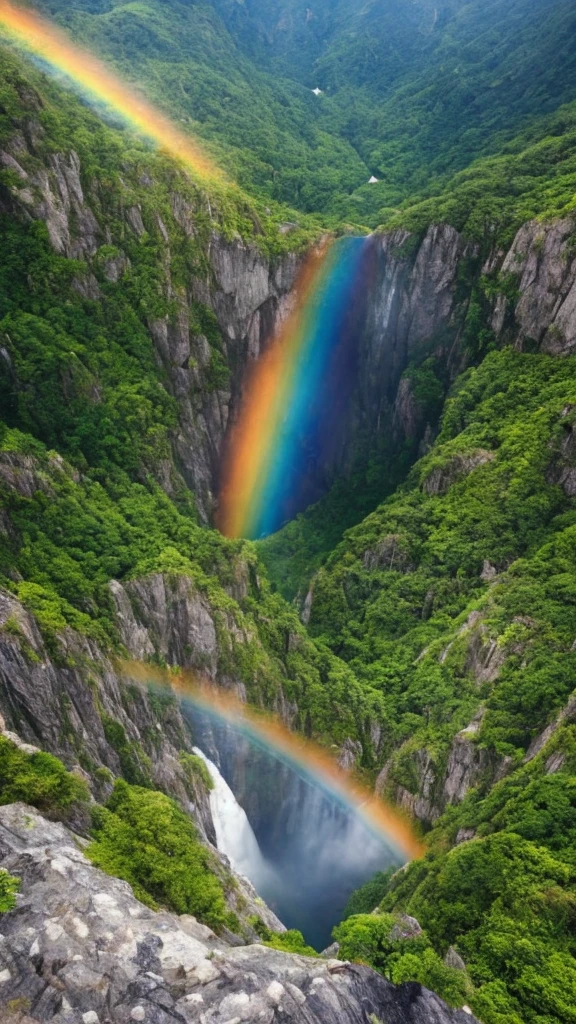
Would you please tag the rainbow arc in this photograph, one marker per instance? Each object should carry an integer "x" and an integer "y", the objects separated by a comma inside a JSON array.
[
  {"x": 91, "y": 76},
  {"x": 295, "y": 396},
  {"x": 307, "y": 757}
]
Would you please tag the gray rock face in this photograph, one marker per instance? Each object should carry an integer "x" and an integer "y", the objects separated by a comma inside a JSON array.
[
  {"x": 248, "y": 293},
  {"x": 543, "y": 261},
  {"x": 249, "y": 296},
  {"x": 411, "y": 298},
  {"x": 80, "y": 949},
  {"x": 466, "y": 763},
  {"x": 567, "y": 714},
  {"x": 167, "y": 616},
  {"x": 441, "y": 478},
  {"x": 61, "y": 708}
]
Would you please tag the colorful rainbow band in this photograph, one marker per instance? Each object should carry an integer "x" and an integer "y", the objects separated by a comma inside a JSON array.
[
  {"x": 306, "y": 756},
  {"x": 286, "y": 413},
  {"x": 42, "y": 39}
]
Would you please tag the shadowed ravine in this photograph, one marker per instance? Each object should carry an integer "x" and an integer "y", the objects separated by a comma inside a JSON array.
[{"x": 303, "y": 851}]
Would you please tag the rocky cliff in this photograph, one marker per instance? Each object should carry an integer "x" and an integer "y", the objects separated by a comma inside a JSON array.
[
  {"x": 245, "y": 291},
  {"x": 425, "y": 294},
  {"x": 210, "y": 297},
  {"x": 80, "y": 949}
]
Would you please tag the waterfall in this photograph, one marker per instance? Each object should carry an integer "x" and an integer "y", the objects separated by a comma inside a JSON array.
[
  {"x": 303, "y": 851},
  {"x": 234, "y": 834}
]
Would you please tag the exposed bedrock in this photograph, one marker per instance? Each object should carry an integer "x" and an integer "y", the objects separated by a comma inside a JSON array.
[{"x": 80, "y": 949}]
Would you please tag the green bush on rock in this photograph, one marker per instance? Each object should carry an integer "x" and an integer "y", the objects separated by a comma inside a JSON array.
[
  {"x": 143, "y": 837},
  {"x": 8, "y": 888},
  {"x": 370, "y": 939},
  {"x": 38, "y": 779}
]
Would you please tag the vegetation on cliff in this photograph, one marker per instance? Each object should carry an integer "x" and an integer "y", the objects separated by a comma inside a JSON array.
[
  {"x": 146, "y": 839},
  {"x": 457, "y": 598},
  {"x": 447, "y": 616}
]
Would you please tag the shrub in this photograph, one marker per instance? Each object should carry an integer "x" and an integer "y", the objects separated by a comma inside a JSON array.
[
  {"x": 38, "y": 779},
  {"x": 8, "y": 888},
  {"x": 143, "y": 837}
]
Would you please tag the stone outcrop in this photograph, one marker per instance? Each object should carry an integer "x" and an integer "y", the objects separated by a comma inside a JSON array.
[
  {"x": 542, "y": 265},
  {"x": 566, "y": 715},
  {"x": 80, "y": 949},
  {"x": 247, "y": 293},
  {"x": 441, "y": 478},
  {"x": 63, "y": 704},
  {"x": 466, "y": 763}
]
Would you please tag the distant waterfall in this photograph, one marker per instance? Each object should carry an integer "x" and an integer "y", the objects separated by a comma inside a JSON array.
[
  {"x": 234, "y": 833},
  {"x": 304, "y": 852}
]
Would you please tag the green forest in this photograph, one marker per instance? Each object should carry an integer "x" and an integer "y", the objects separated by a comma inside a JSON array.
[{"x": 424, "y": 609}]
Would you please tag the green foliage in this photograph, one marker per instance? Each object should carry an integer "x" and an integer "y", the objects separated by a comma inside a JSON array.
[
  {"x": 511, "y": 907},
  {"x": 531, "y": 177},
  {"x": 144, "y": 838},
  {"x": 400, "y": 588},
  {"x": 38, "y": 779},
  {"x": 196, "y": 770},
  {"x": 411, "y": 94},
  {"x": 368, "y": 938},
  {"x": 365, "y": 899},
  {"x": 290, "y": 941},
  {"x": 404, "y": 599},
  {"x": 455, "y": 109},
  {"x": 134, "y": 763},
  {"x": 8, "y": 888}
]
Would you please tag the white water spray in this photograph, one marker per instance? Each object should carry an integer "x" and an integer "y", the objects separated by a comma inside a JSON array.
[{"x": 234, "y": 834}]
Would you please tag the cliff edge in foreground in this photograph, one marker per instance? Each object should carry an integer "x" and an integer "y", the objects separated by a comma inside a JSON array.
[{"x": 80, "y": 949}]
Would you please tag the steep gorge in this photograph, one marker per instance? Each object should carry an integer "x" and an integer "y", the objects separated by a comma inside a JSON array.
[{"x": 418, "y": 636}]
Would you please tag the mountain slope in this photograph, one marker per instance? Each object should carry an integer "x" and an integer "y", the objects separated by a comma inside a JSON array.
[
  {"x": 411, "y": 92},
  {"x": 456, "y": 599},
  {"x": 127, "y": 318}
]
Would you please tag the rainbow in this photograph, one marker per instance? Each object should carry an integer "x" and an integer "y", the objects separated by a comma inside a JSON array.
[
  {"x": 43, "y": 40},
  {"x": 305, "y": 756},
  {"x": 293, "y": 397}
]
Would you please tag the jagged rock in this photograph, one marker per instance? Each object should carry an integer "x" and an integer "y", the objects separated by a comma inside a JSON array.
[
  {"x": 406, "y": 420},
  {"x": 389, "y": 553},
  {"x": 464, "y": 835},
  {"x": 307, "y": 607},
  {"x": 544, "y": 264},
  {"x": 555, "y": 762},
  {"x": 485, "y": 656},
  {"x": 22, "y": 474},
  {"x": 349, "y": 754},
  {"x": 567, "y": 714},
  {"x": 441, "y": 478},
  {"x": 453, "y": 959},
  {"x": 80, "y": 948},
  {"x": 421, "y": 804},
  {"x": 412, "y": 301},
  {"x": 563, "y": 469},
  {"x": 134, "y": 218},
  {"x": 36, "y": 693},
  {"x": 331, "y": 951},
  {"x": 466, "y": 762},
  {"x": 406, "y": 927},
  {"x": 489, "y": 572},
  {"x": 172, "y": 619}
]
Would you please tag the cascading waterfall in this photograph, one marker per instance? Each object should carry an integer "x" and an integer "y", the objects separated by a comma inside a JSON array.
[
  {"x": 304, "y": 852},
  {"x": 234, "y": 834}
]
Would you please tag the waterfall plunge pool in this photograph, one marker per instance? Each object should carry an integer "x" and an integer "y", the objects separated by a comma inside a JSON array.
[{"x": 303, "y": 851}]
